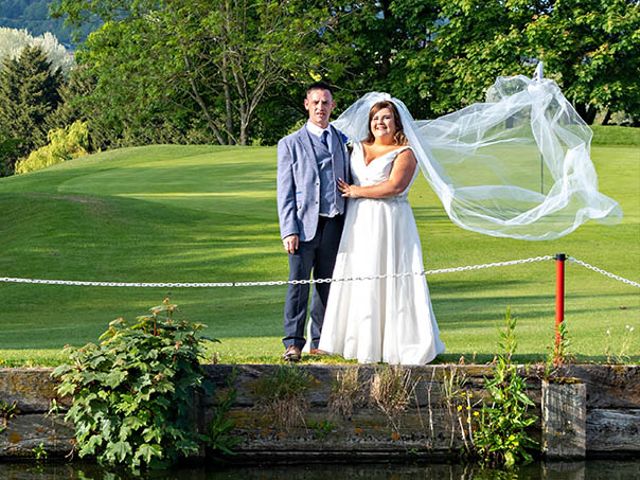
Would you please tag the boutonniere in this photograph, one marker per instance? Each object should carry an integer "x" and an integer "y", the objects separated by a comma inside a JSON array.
[{"x": 349, "y": 146}]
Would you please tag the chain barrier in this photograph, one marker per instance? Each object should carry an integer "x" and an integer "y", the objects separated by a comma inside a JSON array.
[
  {"x": 310, "y": 281},
  {"x": 604, "y": 272},
  {"x": 269, "y": 283}
]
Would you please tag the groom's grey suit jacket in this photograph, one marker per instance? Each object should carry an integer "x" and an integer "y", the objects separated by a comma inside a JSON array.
[{"x": 299, "y": 182}]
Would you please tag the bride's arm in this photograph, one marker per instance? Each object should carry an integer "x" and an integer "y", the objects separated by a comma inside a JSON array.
[{"x": 402, "y": 171}]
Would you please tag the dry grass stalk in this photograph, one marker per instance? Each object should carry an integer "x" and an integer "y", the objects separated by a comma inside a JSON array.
[
  {"x": 429, "y": 408},
  {"x": 287, "y": 413},
  {"x": 346, "y": 392},
  {"x": 281, "y": 396},
  {"x": 391, "y": 389},
  {"x": 458, "y": 402}
]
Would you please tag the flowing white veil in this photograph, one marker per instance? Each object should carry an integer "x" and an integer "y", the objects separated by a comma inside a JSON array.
[{"x": 516, "y": 166}]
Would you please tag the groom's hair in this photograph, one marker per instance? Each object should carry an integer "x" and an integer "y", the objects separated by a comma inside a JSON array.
[{"x": 319, "y": 86}]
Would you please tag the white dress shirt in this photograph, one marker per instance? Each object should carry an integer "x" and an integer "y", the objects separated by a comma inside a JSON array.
[{"x": 317, "y": 131}]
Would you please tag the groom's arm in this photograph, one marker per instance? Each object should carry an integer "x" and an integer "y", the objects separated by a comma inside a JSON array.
[{"x": 286, "y": 198}]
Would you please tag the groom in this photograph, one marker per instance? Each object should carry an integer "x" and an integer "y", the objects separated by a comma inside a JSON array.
[{"x": 310, "y": 209}]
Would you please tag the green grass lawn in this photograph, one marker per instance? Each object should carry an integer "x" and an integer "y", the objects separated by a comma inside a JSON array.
[{"x": 208, "y": 214}]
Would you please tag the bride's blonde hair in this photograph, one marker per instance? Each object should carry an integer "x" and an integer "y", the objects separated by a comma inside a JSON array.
[{"x": 399, "y": 137}]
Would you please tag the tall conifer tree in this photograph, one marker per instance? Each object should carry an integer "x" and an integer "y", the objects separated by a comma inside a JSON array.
[{"x": 29, "y": 93}]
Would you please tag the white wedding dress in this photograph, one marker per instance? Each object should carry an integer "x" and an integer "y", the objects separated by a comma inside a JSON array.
[{"x": 389, "y": 319}]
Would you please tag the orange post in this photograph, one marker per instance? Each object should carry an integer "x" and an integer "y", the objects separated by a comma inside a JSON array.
[{"x": 560, "y": 260}]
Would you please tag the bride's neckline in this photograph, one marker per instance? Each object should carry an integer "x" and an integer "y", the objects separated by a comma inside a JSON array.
[{"x": 369, "y": 162}]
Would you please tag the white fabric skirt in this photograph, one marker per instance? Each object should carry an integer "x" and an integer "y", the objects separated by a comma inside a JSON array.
[{"x": 391, "y": 319}]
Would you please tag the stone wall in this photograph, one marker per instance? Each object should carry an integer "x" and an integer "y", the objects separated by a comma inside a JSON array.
[
  {"x": 32, "y": 390},
  {"x": 338, "y": 417}
]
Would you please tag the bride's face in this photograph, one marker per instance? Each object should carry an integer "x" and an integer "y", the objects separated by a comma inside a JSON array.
[{"x": 383, "y": 124}]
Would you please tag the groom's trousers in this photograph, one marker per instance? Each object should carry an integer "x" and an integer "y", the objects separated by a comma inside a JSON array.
[{"x": 317, "y": 256}]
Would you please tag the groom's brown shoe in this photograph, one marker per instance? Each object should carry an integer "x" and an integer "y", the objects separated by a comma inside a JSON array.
[
  {"x": 317, "y": 351},
  {"x": 292, "y": 354}
]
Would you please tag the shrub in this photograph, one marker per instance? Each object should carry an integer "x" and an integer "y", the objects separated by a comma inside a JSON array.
[
  {"x": 133, "y": 393},
  {"x": 64, "y": 144},
  {"x": 9, "y": 153}
]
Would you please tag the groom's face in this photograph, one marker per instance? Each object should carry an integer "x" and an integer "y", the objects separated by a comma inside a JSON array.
[{"x": 319, "y": 104}]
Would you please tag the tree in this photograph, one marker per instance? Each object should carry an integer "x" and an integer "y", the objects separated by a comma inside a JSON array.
[
  {"x": 75, "y": 105},
  {"x": 360, "y": 47},
  {"x": 472, "y": 43},
  {"x": 28, "y": 96},
  {"x": 127, "y": 97},
  {"x": 9, "y": 153},
  {"x": 589, "y": 47},
  {"x": 192, "y": 69},
  {"x": 13, "y": 41},
  {"x": 256, "y": 46},
  {"x": 33, "y": 15}
]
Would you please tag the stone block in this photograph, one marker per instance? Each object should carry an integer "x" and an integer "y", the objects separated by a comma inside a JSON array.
[
  {"x": 25, "y": 433},
  {"x": 32, "y": 389},
  {"x": 613, "y": 431},
  {"x": 608, "y": 386}
]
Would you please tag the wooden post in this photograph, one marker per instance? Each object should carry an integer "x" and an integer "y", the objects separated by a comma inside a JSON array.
[{"x": 564, "y": 418}]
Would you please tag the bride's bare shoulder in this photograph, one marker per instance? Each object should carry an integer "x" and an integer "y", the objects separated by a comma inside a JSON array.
[{"x": 405, "y": 154}]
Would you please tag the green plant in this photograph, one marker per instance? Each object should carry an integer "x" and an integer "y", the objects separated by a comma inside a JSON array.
[
  {"x": 321, "y": 429},
  {"x": 281, "y": 395},
  {"x": 625, "y": 345},
  {"x": 620, "y": 356},
  {"x": 7, "y": 412},
  {"x": 561, "y": 346},
  {"x": 219, "y": 438},
  {"x": 54, "y": 408},
  {"x": 40, "y": 452},
  {"x": 133, "y": 393},
  {"x": 429, "y": 427},
  {"x": 500, "y": 437},
  {"x": 607, "y": 346}
]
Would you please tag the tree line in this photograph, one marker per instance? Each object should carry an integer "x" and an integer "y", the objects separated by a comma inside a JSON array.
[
  {"x": 234, "y": 71},
  {"x": 33, "y": 15}
]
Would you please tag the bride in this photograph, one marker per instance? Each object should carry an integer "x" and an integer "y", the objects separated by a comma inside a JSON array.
[
  {"x": 390, "y": 318},
  {"x": 517, "y": 166}
]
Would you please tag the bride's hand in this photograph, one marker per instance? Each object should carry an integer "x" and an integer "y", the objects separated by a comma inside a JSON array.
[{"x": 347, "y": 190}]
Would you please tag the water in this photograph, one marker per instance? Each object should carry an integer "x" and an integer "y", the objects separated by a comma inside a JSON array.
[{"x": 589, "y": 470}]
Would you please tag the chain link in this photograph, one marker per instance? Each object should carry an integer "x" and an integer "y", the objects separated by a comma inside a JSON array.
[
  {"x": 312, "y": 281},
  {"x": 490, "y": 265},
  {"x": 269, "y": 283},
  {"x": 81, "y": 283},
  {"x": 604, "y": 272}
]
